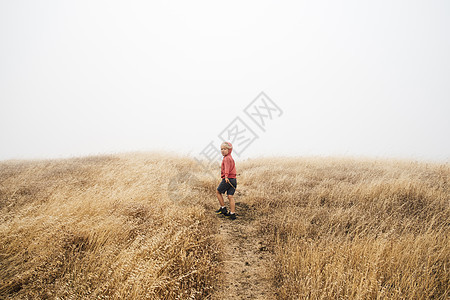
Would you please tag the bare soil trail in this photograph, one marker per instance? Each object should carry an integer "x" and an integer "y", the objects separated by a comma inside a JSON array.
[{"x": 246, "y": 258}]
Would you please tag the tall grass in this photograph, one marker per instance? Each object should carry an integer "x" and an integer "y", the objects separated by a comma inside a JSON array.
[
  {"x": 140, "y": 226},
  {"x": 354, "y": 229},
  {"x": 104, "y": 227}
]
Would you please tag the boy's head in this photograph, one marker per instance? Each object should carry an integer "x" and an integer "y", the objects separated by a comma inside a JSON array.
[{"x": 226, "y": 148}]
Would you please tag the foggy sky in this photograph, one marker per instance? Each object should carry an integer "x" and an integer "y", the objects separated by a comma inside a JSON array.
[{"x": 354, "y": 78}]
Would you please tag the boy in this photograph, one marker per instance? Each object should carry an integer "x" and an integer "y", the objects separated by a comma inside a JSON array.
[{"x": 228, "y": 184}]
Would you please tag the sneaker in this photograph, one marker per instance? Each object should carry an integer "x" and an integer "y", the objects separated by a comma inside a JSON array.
[
  {"x": 222, "y": 210},
  {"x": 231, "y": 216}
]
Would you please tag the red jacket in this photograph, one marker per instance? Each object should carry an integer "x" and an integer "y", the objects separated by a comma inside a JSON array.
[{"x": 228, "y": 168}]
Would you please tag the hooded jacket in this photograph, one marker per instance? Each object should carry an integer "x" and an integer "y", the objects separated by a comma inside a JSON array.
[{"x": 228, "y": 168}]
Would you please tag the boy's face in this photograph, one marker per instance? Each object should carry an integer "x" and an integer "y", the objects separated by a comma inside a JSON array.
[{"x": 224, "y": 150}]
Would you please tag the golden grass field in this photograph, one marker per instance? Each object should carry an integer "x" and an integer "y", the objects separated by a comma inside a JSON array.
[{"x": 142, "y": 226}]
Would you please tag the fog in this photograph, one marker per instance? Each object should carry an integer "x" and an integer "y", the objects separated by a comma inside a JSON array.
[{"x": 350, "y": 78}]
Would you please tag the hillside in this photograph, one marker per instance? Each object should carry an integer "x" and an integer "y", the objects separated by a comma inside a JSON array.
[{"x": 142, "y": 226}]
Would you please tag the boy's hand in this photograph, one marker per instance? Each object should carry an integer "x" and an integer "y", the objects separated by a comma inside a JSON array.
[{"x": 226, "y": 180}]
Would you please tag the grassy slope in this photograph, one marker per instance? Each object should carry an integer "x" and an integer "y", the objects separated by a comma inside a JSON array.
[
  {"x": 140, "y": 225},
  {"x": 352, "y": 229},
  {"x": 103, "y": 226}
]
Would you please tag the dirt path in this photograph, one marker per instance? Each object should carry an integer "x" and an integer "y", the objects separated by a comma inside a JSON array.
[{"x": 246, "y": 258}]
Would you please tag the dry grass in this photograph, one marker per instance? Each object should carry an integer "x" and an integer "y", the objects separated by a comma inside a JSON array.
[
  {"x": 104, "y": 227},
  {"x": 354, "y": 229},
  {"x": 138, "y": 226}
]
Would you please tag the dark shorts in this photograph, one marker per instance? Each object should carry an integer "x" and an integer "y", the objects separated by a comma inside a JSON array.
[{"x": 225, "y": 187}]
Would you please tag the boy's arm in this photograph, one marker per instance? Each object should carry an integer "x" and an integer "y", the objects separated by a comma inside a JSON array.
[{"x": 227, "y": 169}]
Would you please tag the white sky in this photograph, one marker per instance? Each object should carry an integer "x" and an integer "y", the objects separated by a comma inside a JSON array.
[{"x": 352, "y": 77}]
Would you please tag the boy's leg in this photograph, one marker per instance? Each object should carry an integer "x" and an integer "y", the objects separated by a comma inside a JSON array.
[
  {"x": 220, "y": 197},
  {"x": 232, "y": 204}
]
